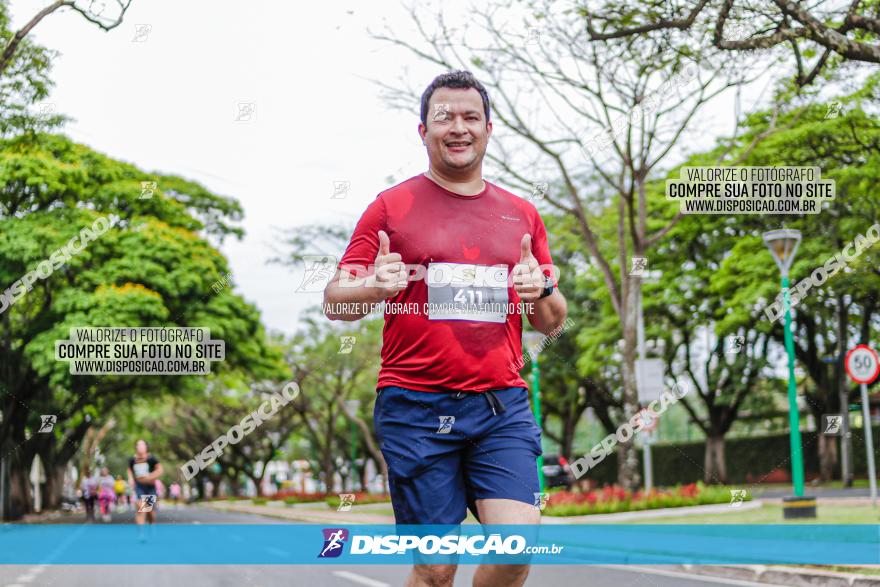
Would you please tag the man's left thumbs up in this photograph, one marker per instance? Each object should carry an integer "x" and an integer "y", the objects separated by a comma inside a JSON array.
[{"x": 528, "y": 280}]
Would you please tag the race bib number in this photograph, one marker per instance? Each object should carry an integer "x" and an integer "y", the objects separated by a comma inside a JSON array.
[
  {"x": 461, "y": 291},
  {"x": 141, "y": 469}
]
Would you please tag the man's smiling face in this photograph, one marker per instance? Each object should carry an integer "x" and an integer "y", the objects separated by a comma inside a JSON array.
[{"x": 457, "y": 133}]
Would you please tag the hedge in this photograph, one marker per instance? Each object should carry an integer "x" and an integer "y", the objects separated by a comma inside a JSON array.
[{"x": 749, "y": 460}]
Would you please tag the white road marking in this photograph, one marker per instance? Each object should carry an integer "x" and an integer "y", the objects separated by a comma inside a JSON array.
[{"x": 355, "y": 578}]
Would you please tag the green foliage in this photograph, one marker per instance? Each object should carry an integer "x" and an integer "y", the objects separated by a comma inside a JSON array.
[
  {"x": 154, "y": 266},
  {"x": 25, "y": 83}
]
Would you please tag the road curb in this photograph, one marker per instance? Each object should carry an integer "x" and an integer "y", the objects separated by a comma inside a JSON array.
[
  {"x": 301, "y": 515},
  {"x": 693, "y": 510},
  {"x": 793, "y": 576}
]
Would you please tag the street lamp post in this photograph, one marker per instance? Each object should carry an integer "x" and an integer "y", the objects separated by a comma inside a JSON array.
[
  {"x": 533, "y": 340},
  {"x": 783, "y": 244}
]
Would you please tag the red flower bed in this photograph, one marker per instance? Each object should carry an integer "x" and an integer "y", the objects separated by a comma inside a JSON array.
[{"x": 613, "y": 499}]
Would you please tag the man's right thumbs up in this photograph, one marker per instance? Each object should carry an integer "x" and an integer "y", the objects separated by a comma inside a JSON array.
[
  {"x": 384, "y": 243},
  {"x": 390, "y": 274}
]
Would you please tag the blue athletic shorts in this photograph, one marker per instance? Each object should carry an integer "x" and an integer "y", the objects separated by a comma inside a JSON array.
[
  {"x": 445, "y": 450},
  {"x": 142, "y": 490}
]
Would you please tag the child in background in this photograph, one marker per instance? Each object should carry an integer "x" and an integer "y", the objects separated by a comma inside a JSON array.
[{"x": 119, "y": 490}]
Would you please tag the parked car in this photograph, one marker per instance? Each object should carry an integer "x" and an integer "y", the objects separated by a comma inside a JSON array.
[{"x": 557, "y": 473}]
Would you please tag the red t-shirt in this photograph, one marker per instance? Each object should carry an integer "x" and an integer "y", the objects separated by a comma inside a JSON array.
[{"x": 440, "y": 337}]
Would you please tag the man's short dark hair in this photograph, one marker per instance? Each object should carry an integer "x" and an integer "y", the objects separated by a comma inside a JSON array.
[{"x": 454, "y": 79}]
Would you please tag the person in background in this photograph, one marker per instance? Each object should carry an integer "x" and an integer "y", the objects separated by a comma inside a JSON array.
[
  {"x": 89, "y": 488},
  {"x": 174, "y": 491},
  {"x": 144, "y": 470},
  {"x": 119, "y": 490},
  {"x": 106, "y": 494}
]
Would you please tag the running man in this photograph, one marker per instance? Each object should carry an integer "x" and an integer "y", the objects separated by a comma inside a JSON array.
[
  {"x": 143, "y": 471},
  {"x": 452, "y": 411}
]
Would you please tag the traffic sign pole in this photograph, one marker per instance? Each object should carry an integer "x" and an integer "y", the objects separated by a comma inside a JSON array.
[
  {"x": 869, "y": 444},
  {"x": 863, "y": 365}
]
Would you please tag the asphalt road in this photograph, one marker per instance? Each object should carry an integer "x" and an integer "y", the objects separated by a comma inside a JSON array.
[{"x": 307, "y": 575}]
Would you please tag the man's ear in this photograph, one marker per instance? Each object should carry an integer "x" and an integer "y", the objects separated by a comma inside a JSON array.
[
  {"x": 422, "y": 132},
  {"x": 488, "y": 129}
]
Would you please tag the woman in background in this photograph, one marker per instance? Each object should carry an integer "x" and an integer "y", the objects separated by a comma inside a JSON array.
[
  {"x": 89, "y": 488},
  {"x": 106, "y": 494}
]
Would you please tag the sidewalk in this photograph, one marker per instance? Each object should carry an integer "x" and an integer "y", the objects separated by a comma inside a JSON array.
[
  {"x": 720, "y": 508},
  {"x": 319, "y": 513}
]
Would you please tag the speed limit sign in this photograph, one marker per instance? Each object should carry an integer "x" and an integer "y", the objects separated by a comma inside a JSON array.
[{"x": 862, "y": 364}]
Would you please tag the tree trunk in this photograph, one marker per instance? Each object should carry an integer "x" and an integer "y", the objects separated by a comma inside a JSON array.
[
  {"x": 328, "y": 470},
  {"x": 568, "y": 430},
  {"x": 258, "y": 482},
  {"x": 628, "y": 462},
  {"x": 20, "y": 502},
  {"x": 54, "y": 486},
  {"x": 827, "y": 456},
  {"x": 714, "y": 463}
]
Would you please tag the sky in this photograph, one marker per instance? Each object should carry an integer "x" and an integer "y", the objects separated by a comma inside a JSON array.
[{"x": 169, "y": 91}]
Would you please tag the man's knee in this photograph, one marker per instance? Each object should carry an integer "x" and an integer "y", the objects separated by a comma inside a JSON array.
[
  {"x": 435, "y": 575},
  {"x": 501, "y": 575}
]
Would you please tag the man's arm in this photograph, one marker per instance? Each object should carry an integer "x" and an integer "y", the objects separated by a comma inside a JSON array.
[
  {"x": 351, "y": 301},
  {"x": 348, "y": 297},
  {"x": 548, "y": 314}
]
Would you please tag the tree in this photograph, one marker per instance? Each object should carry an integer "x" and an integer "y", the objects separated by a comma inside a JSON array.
[
  {"x": 724, "y": 368},
  {"x": 154, "y": 266},
  {"x": 843, "y": 310},
  {"x": 579, "y": 367},
  {"x": 825, "y": 31},
  {"x": 350, "y": 374}
]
